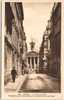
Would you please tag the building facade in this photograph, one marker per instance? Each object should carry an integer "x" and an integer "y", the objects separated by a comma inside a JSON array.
[
  {"x": 32, "y": 59},
  {"x": 15, "y": 39},
  {"x": 50, "y": 50},
  {"x": 44, "y": 49},
  {"x": 55, "y": 41},
  {"x": 41, "y": 54},
  {"x": 33, "y": 62}
]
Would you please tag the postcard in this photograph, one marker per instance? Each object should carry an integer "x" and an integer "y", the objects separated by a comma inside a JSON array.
[{"x": 32, "y": 65}]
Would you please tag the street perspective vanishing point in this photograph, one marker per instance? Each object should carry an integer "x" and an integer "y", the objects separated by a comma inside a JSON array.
[{"x": 32, "y": 47}]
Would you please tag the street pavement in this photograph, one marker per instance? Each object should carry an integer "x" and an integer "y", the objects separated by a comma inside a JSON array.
[
  {"x": 15, "y": 86},
  {"x": 33, "y": 83},
  {"x": 40, "y": 83}
]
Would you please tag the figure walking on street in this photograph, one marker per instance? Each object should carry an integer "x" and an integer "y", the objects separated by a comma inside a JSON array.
[{"x": 13, "y": 73}]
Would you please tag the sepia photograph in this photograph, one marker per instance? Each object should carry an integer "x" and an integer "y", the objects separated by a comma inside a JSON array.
[{"x": 32, "y": 47}]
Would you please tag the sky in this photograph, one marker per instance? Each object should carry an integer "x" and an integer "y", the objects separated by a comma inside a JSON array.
[{"x": 36, "y": 16}]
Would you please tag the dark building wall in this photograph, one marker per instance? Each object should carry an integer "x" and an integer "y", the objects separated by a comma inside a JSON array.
[
  {"x": 8, "y": 17},
  {"x": 14, "y": 38},
  {"x": 54, "y": 53},
  {"x": 55, "y": 41},
  {"x": 43, "y": 53}
]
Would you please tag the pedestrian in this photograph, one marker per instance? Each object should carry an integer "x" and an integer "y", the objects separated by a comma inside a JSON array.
[{"x": 13, "y": 74}]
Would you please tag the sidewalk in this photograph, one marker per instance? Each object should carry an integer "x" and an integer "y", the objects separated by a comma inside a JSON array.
[{"x": 14, "y": 87}]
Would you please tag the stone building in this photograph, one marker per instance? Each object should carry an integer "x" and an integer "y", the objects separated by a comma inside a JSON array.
[
  {"x": 33, "y": 62},
  {"x": 52, "y": 39},
  {"x": 41, "y": 54},
  {"x": 43, "y": 61},
  {"x": 15, "y": 39},
  {"x": 54, "y": 58},
  {"x": 32, "y": 59}
]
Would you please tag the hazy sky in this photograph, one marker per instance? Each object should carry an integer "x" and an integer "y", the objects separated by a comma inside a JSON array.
[{"x": 36, "y": 16}]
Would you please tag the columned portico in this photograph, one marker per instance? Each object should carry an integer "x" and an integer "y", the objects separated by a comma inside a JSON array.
[{"x": 32, "y": 61}]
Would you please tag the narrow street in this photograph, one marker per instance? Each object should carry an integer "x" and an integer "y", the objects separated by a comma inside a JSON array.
[
  {"x": 40, "y": 83},
  {"x": 32, "y": 47}
]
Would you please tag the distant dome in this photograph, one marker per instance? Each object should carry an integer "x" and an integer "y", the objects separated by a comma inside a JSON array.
[{"x": 32, "y": 44}]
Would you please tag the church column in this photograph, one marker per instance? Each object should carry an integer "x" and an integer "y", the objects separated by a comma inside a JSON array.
[
  {"x": 34, "y": 63},
  {"x": 38, "y": 63},
  {"x": 30, "y": 63}
]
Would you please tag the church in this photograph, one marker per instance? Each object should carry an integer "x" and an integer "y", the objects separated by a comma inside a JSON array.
[{"x": 32, "y": 59}]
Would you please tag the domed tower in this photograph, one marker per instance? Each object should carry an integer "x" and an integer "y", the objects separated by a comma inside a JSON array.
[
  {"x": 32, "y": 45},
  {"x": 32, "y": 59}
]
